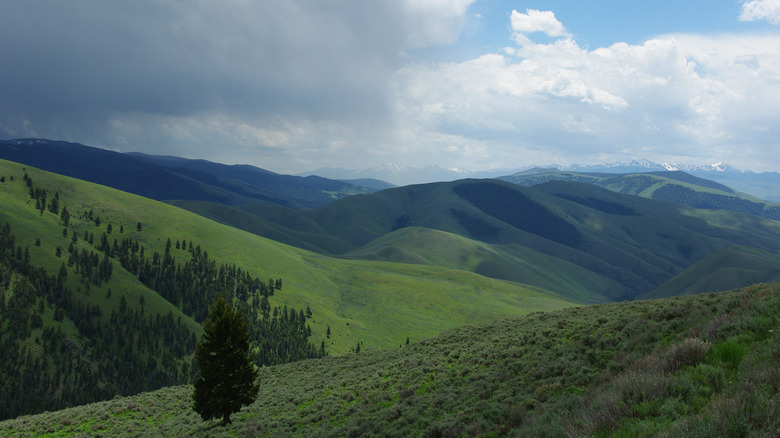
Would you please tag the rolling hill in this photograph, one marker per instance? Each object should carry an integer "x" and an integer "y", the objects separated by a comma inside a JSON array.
[
  {"x": 71, "y": 298},
  {"x": 672, "y": 186},
  {"x": 694, "y": 366},
  {"x": 586, "y": 243},
  {"x": 727, "y": 269},
  {"x": 168, "y": 178},
  {"x": 763, "y": 185},
  {"x": 543, "y": 242}
]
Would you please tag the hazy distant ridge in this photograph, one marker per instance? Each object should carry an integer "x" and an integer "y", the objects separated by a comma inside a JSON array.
[{"x": 764, "y": 185}]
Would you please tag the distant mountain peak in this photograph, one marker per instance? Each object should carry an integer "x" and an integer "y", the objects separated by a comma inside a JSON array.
[
  {"x": 723, "y": 167},
  {"x": 717, "y": 167}
]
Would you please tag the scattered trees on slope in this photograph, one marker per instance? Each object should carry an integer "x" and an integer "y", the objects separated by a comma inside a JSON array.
[{"x": 124, "y": 349}]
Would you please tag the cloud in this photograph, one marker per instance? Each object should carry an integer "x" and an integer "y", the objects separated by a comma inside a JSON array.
[
  {"x": 755, "y": 10},
  {"x": 434, "y": 22},
  {"x": 537, "y": 21},
  {"x": 301, "y": 84},
  {"x": 182, "y": 58},
  {"x": 674, "y": 97},
  {"x": 94, "y": 71}
]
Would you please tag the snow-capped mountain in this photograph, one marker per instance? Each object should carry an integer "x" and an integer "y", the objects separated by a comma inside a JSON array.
[{"x": 717, "y": 167}]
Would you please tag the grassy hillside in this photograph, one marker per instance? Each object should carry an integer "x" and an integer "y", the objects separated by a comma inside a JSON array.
[
  {"x": 694, "y": 366},
  {"x": 324, "y": 283},
  {"x": 378, "y": 304},
  {"x": 727, "y": 269},
  {"x": 678, "y": 187},
  {"x": 513, "y": 262},
  {"x": 586, "y": 243}
]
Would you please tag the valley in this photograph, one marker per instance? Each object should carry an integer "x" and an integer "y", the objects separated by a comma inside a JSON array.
[
  {"x": 586, "y": 243},
  {"x": 428, "y": 218},
  {"x": 487, "y": 301},
  {"x": 374, "y": 304}
]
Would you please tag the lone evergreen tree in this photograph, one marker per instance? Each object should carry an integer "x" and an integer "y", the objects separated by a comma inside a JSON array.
[{"x": 226, "y": 379}]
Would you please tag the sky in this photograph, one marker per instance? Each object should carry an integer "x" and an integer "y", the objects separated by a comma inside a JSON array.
[{"x": 296, "y": 85}]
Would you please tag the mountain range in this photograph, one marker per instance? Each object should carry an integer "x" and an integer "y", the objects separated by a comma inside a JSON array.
[
  {"x": 104, "y": 292},
  {"x": 764, "y": 185},
  {"x": 671, "y": 186},
  {"x": 586, "y": 243},
  {"x": 163, "y": 178},
  {"x": 583, "y": 236}
]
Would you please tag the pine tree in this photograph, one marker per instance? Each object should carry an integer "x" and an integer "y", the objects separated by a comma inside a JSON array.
[
  {"x": 65, "y": 216},
  {"x": 226, "y": 376}
]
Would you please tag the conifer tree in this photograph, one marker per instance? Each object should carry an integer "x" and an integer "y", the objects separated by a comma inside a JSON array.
[
  {"x": 226, "y": 376},
  {"x": 65, "y": 216}
]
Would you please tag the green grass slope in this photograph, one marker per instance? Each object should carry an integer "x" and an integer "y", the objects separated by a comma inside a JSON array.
[
  {"x": 626, "y": 245},
  {"x": 313, "y": 240},
  {"x": 511, "y": 262},
  {"x": 727, "y": 269},
  {"x": 29, "y": 225},
  {"x": 694, "y": 366},
  {"x": 376, "y": 303}
]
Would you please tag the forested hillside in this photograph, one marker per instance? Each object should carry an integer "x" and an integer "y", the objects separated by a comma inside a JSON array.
[{"x": 72, "y": 336}]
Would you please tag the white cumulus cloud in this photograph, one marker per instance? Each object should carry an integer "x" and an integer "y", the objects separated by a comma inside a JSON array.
[
  {"x": 675, "y": 96},
  {"x": 754, "y": 10},
  {"x": 537, "y": 21}
]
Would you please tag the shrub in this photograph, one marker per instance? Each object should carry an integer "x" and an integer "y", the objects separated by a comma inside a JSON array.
[
  {"x": 691, "y": 351},
  {"x": 711, "y": 330},
  {"x": 710, "y": 376},
  {"x": 729, "y": 352},
  {"x": 684, "y": 387}
]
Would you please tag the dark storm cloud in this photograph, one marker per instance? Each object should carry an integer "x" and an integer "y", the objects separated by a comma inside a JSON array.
[{"x": 92, "y": 58}]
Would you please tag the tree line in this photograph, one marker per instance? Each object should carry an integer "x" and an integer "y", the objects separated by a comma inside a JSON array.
[
  {"x": 278, "y": 334},
  {"x": 125, "y": 350}
]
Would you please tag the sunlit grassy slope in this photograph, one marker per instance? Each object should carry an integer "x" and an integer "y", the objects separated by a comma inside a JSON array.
[
  {"x": 586, "y": 243},
  {"x": 695, "y": 366},
  {"x": 379, "y": 304},
  {"x": 724, "y": 270},
  {"x": 514, "y": 262}
]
